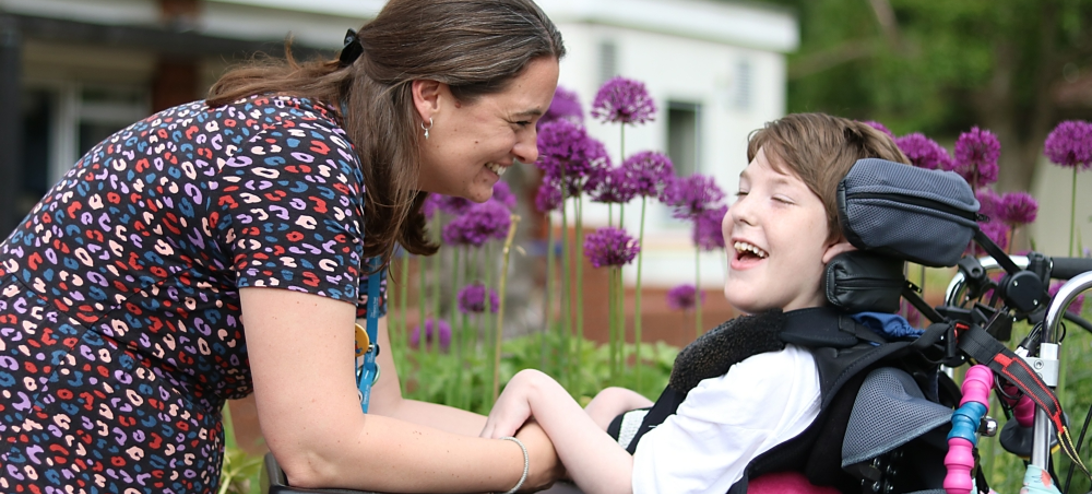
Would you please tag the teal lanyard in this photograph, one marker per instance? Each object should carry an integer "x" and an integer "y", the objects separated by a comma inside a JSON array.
[{"x": 367, "y": 372}]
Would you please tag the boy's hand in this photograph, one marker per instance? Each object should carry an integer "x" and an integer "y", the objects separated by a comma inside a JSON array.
[{"x": 513, "y": 407}]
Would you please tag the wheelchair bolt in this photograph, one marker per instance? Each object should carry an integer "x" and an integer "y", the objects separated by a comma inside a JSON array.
[
  {"x": 876, "y": 486},
  {"x": 1038, "y": 364},
  {"x": 989, "y": 427}
]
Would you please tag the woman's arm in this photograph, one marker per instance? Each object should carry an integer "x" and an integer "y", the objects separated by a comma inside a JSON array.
[
  {"x": 592, "y": 458},
  {"x": 301, "y": 357},
  {"x": 387, "y": 397}
]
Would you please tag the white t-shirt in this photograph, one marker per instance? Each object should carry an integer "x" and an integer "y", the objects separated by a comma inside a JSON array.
[{"x": 727, "y": 421}]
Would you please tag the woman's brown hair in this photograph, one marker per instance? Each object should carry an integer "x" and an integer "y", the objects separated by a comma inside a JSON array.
[
  {"x": 820, "y": 149},
  {"x": 474, "y": 46}
]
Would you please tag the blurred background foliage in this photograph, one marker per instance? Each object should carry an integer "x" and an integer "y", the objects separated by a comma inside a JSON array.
[{"x": 1016, "y": 67}]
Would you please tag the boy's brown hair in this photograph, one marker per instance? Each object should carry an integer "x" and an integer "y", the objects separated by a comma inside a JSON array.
[{"x": 820, "y": 149}]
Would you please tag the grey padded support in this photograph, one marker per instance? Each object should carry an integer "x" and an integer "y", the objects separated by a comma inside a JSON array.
[{"x": 889, "y": 411}]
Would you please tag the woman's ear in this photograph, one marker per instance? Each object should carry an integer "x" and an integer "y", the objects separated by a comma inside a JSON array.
[
  {"x": 426, "y": 97},
  {"x": 836, "y": 248}
]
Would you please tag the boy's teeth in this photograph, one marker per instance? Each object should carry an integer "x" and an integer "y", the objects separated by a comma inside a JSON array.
[
  {"x": 499, "y": 170},
  {"x": 746, "y": 247}
]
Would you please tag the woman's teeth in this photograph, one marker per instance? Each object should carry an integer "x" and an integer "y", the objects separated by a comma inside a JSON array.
[{"x": 495, "y": 168}]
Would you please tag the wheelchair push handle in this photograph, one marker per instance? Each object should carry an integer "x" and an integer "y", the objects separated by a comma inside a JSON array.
[{"x": 1065, "y": 268}]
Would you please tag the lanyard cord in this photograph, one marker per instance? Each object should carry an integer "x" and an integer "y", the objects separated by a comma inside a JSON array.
[{"x": 367, "y": 370}]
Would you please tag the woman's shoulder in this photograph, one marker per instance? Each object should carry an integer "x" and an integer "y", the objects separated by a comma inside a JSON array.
[{"x": 279, "y": 108}]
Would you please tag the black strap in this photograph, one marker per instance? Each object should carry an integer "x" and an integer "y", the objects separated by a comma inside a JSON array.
[{"x": 977, "y": 343}]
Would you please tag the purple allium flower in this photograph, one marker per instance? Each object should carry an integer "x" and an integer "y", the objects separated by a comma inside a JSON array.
[
  {"x": 611, "y": 186},
  {"x": 976, "y": 154},
  {"x": 879, "y": 126},
  {"x": 1070, "y": 144},
  {"x": 707, "y": 232},
  {"x": 481, "y": 222},
  {"x": 610, "y": 246},
  {"x": 472, "y": 299},
  {"x": 996, "y": 231},
  {"x": 502, "y": 193},
  {"x": 452, "y": 205},
  {"x": 1017, "y": 208},
  {"x": 691, "y": 196},
  {"x": 923, "y": 152},
  {"x": 1075, "y": 306},
  {"x": 683, "y": 297},
  {"x": 430, "y": 206},
  {"x": 566, "y": 151},
  {"x": 433, "y": 328},
  {"x": 625, "y": 101},
  {"x": 648, "y": 171},
  {"x": 988, "y": 200},
  {"x": 548, "y": 197},
  {"x": 565, "y": 106}
]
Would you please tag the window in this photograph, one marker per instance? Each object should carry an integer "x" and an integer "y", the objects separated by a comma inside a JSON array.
[
  {"x": 62, "y": 121},
  {"x": 743, "y": 90},
  {"x": 683, "y": 137},
  {"x": 608, "y": 61}
]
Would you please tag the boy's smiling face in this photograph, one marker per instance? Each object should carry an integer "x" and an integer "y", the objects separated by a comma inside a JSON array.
[{"x": 776, "y": 238}]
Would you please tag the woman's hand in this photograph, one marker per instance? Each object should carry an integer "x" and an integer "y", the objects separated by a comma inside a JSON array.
[{"x": 513, "y": 407}]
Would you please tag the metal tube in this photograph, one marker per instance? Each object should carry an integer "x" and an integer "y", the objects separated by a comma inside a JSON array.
[
  {"x": 1040, "y": 452},
  {"x": 955, "y": 286}
]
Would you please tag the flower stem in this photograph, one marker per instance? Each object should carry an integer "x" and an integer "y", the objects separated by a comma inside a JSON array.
[
  {"x": 422, "y": 297},
  {"x": 460, "y": 355},
  {"x": 500, "y": 306},
  {"x": 566, "y": 284},
  {"x": 437, "y": 286},
  {"x": 403, "y": 326},
  {"x": 620, "y": 296},
  {"x": 483, "y": 329},
  {"x": 579, "y": 284},
  {"x": 548, "y": 311},
  {"x": 637, "y": 295},
  {"x": 697, "y": 292},
  {"x": 1072, "y": 211},
  {"x": 612, "y": 310},
  {"x": 454, "y": 298}
]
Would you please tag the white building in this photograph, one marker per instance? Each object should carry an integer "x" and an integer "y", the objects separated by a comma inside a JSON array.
[{"x": 80, "y": 69}]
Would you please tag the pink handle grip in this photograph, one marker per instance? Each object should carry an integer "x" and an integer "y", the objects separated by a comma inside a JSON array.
[
  {"x": 977, "y": 384},
  {"x": 960, "y": 459},
  {"x": 1025, "y": 412}
]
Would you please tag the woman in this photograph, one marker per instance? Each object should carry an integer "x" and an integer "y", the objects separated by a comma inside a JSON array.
[{"x": 221, "y": 247}]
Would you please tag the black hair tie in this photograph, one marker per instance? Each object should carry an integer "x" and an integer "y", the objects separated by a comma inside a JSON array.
[{"x": 351, "y": 51}]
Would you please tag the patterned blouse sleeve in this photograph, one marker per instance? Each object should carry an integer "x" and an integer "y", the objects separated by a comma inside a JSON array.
[{"x": 290, "y": 208}]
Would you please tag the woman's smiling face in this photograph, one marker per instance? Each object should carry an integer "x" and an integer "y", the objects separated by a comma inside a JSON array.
[
  {"x": 776, "y": 235},
  {"x": 472, "y": 143}
]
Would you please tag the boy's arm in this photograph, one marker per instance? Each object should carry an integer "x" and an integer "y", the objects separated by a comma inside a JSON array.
[{"x": 593, "y": 459}]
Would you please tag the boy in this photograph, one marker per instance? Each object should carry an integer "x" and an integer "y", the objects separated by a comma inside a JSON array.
[{"x": 782, "y": 231}]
